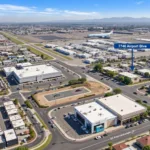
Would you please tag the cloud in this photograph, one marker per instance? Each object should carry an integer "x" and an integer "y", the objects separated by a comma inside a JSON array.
[
  {"x": 80, "y": 13},
  {"x": 139, "y": 2},
  {"x": 17, "y": 11},
  {"x": 7, "y": 7}
]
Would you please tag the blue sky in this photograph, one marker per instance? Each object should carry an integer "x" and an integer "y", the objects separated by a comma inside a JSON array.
[{"x": 51, "y": 10}]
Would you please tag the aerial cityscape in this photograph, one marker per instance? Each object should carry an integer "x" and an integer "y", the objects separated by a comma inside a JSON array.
[{"x": 75, "y": 75}]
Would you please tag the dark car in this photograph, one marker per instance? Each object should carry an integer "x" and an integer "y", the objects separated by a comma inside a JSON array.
[
  {"x": 135, "y": 93},
  {"x": 78, "y": 90},
  {"x": 145, "y": 102}
]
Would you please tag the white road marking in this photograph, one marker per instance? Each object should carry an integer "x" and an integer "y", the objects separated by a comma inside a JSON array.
[{"x": 109, "y": 139}]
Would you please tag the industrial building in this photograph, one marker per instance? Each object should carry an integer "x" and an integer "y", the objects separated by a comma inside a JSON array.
[
  {"x": 121, "y": 106},
  {"x": 116, "y": 70},
  {"x": 32, "y": 73},
  {"x": 89, "y": 61},
  {"x": 143, "y": 71},
  {"x": 10, "y": 137},
  {"x": 134, "y": 78},
  {"x": 65, "y": 51},
  {"x": 95, "y": 117}
]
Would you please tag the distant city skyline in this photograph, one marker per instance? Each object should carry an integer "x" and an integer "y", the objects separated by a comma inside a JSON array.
[{"x": 44, "y": 11}]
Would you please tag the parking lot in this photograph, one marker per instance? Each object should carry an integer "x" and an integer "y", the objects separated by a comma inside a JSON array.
[
  {"x": 68, "y": 122},
  {"x": 67, "y": 93}
]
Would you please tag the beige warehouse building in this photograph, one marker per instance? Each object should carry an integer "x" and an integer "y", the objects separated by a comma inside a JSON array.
[{"x": 123, "y": 107}]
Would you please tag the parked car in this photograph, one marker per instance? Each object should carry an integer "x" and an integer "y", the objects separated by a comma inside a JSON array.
[
  {"x": 98, "y": 137},
  {"x": 145, "y": 102},
  {"x": 78, "y": 90}
]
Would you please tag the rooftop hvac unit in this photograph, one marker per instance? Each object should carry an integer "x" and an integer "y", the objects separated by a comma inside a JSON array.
[{"x": 100, "y": 114}]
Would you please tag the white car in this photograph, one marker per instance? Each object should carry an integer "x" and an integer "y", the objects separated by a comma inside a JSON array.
[{"x": 98, "y": 137}]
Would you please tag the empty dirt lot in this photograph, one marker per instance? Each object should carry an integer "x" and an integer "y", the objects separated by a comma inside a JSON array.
[{"x": 93, "y": 87}]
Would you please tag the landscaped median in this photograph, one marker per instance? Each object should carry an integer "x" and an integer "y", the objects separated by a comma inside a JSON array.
[
  {"x": 42, "y": 122},
  {"x": 44, "y": 143},
  {"x": 14, "y": 40},
  {"x": 39, "y": 53}
]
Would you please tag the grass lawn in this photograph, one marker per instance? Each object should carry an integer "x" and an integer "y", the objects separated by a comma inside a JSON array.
[
  {"x": 42, "y": 122},
  {"x": 39, "y": 53},
  {"x": 38, "y": 44},
  {"x": 14, "y": 40},
  {"x": 56, "y": 53}
]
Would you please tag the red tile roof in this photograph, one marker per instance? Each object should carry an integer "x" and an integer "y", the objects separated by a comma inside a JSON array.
[
  {"x": 144, "y": 141},
  {"x": 120, "y": 146}
]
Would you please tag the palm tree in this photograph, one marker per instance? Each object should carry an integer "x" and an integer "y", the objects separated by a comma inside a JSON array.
[{"x": 110, "y": 144}]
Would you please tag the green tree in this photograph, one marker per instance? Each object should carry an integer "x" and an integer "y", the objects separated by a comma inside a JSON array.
[
  {"x": 146, "y": 147},
  {"x": 16, "y": 101},
  {"x": 145, "y": 114},
  {"x": 110, "y": 144},
  {"x": 110, "y": 73},
  {"x": 121, "y": 78},
  {"x": 108, "y": 94},
  {"x": 22, "y": 148},
  {"x": 42, "y": 56},
  {"x": 139, "y": 101},
  {"x": 98, "y": 67},
  {"x": 127, "y": 80},
  {"x": 133, "y": 119},
  {"x": 82, "y": 80},
  {"x": 117, "y": 91},
  {"x": 146, "y": 74},
  {"x": 138, "y": 118}
]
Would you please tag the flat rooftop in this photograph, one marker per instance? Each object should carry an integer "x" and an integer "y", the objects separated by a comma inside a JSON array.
[
  {"x": 94, "y": 112},
  {"x": 15, "y": 117},
  {"x": 130, "y": 75},
  {"x": 10, "y": 135},
  {"x": 10, "y": 107},
  {"x": 12, "y": 111},
  {"x": 121, "y": 105},
  {"x": 35, "y": 70},
  {"x": 8, "y": 103},
  {"x": 111, "y": 69},
  {"x": 18, "y": 123},
  {"x": 144, "y": 70}
]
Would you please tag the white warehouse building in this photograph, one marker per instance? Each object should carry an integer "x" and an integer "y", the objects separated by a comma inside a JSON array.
[
  {"x": 95, "y": 117},
  {"x": 123, "y": 107},
  {"x": 33, "y": 73}
]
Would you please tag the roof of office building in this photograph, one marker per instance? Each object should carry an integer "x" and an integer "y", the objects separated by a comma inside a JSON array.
[
  {"x": 94, "y": 112},
  {"x": 121, "y": 104},
  {"x": 10, "y": 135}
]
